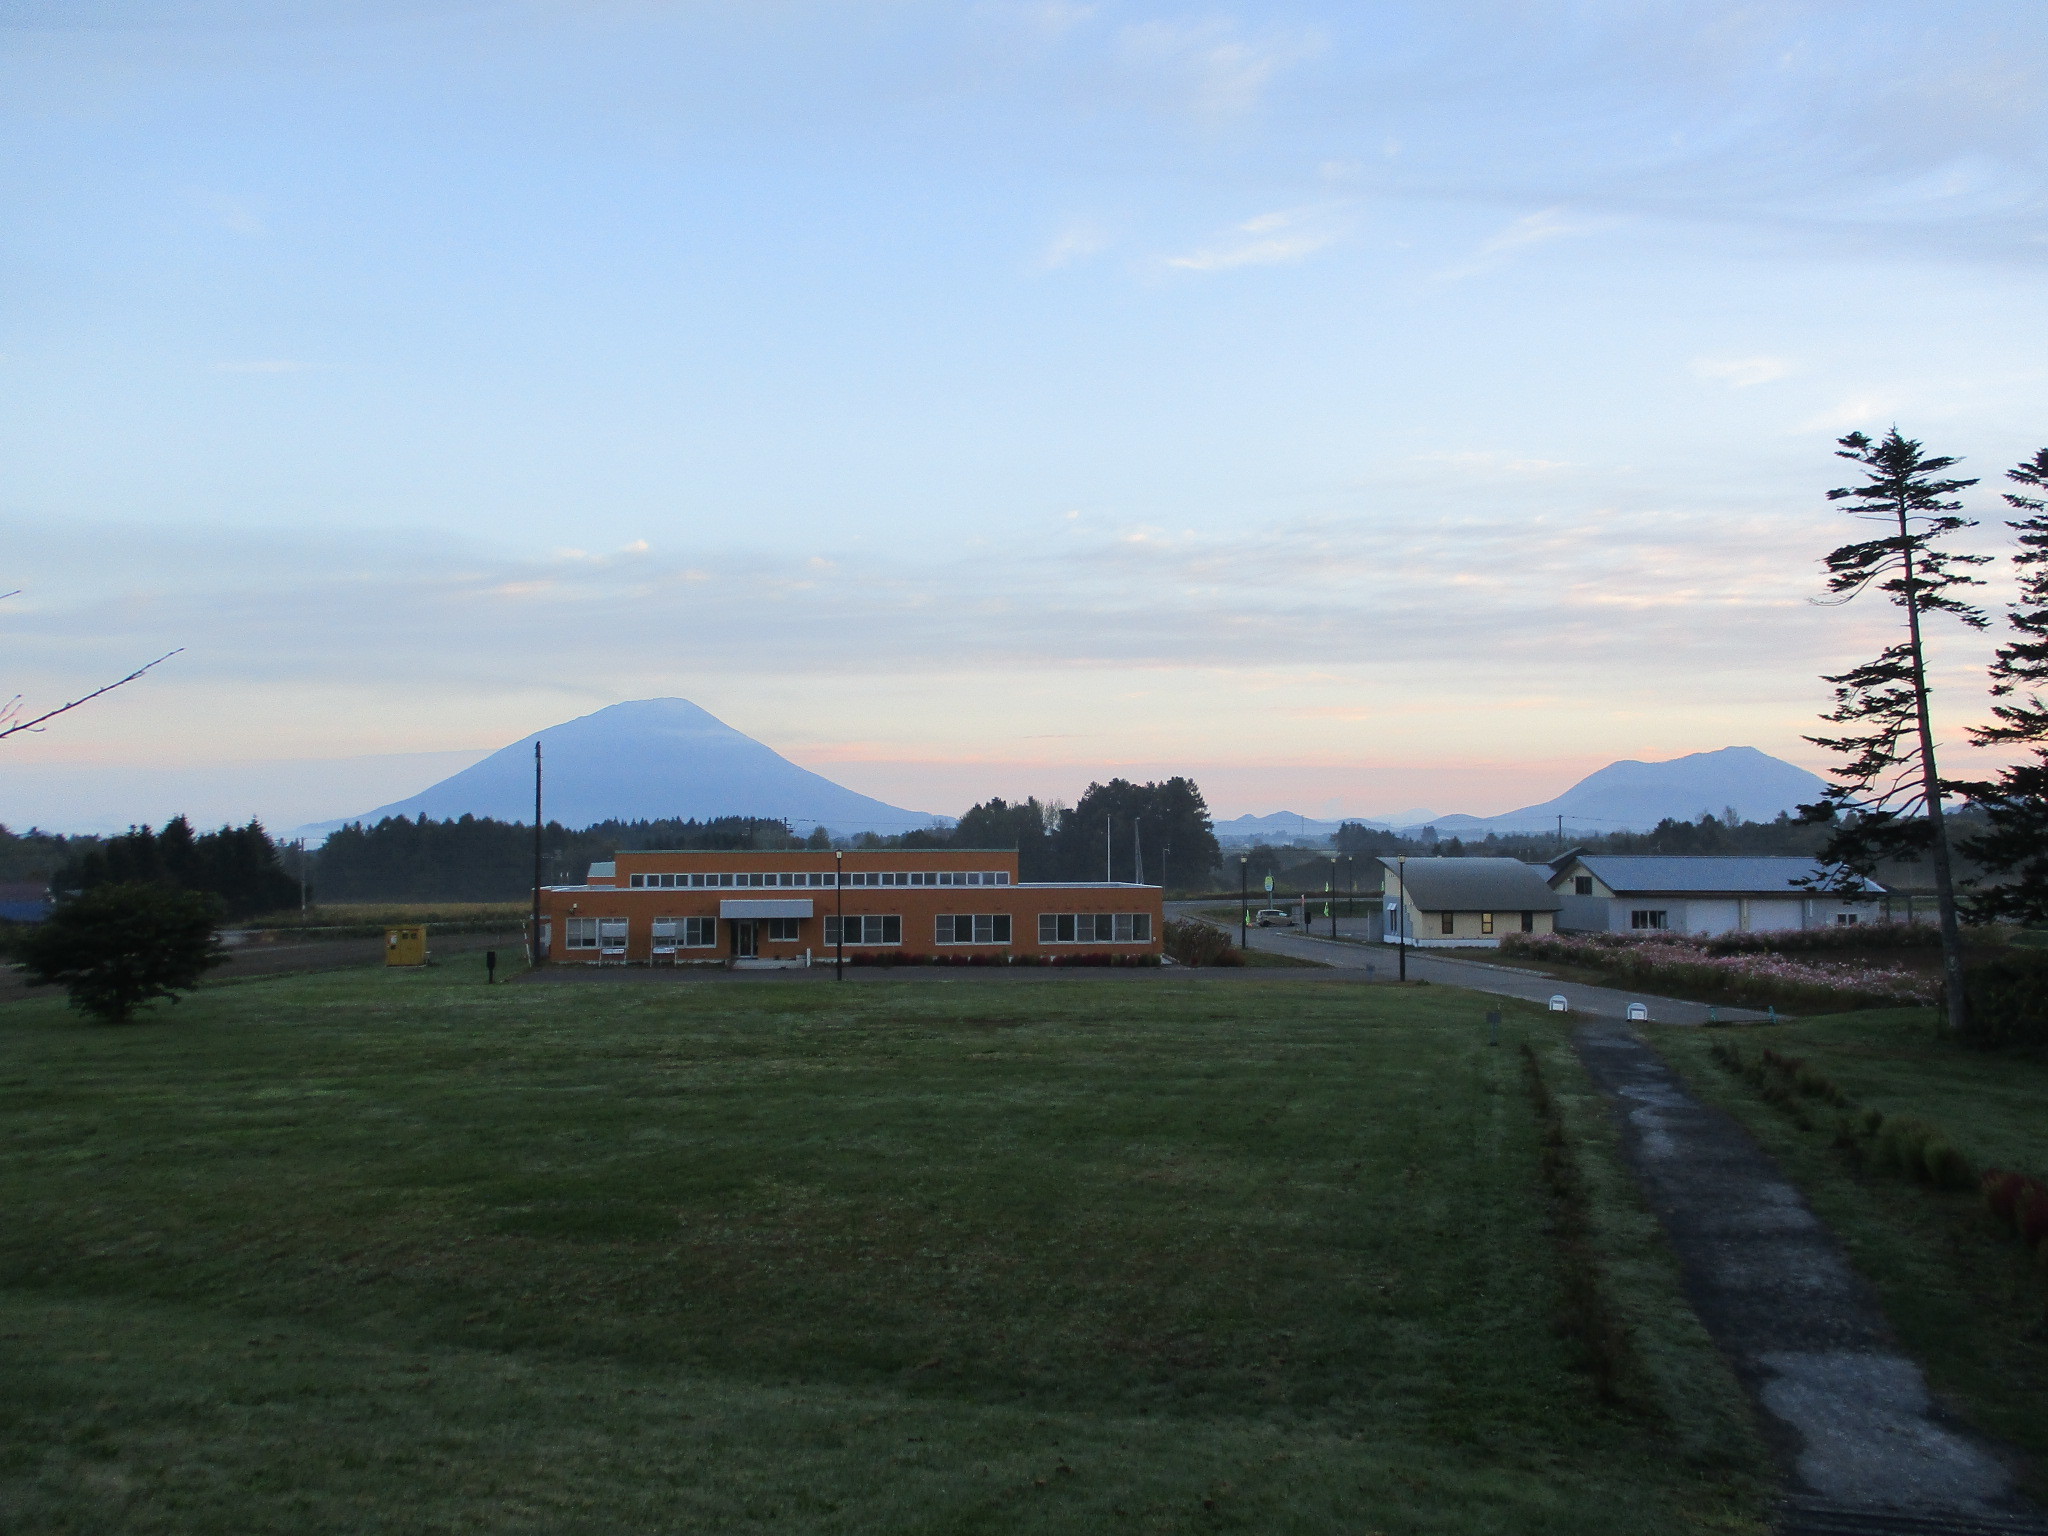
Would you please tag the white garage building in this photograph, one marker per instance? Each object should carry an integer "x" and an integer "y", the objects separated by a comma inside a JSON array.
[{"x": 1620, "y": 893}]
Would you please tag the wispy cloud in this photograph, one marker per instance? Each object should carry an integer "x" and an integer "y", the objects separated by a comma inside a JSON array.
[
  {"x": 1220, "y": 71},
  {"x": 1539, "y": 228},
  {"x": 1741, "y": 372},
  {"x": 1075, "y": 243},
  {"x": 1271, "y": 239}
]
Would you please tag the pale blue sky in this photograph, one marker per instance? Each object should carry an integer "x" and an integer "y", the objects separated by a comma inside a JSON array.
[{"x": 1360, "y": 406}]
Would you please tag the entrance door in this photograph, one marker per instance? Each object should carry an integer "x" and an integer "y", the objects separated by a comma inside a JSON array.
[{"x": 744, "y": 936}]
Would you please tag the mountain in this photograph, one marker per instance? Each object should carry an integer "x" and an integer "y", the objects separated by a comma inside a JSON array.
[
  {"x": 1634, "y": 797},
  {"x": 646, "y": 760},
  {"x": 1280, "y": 827}
]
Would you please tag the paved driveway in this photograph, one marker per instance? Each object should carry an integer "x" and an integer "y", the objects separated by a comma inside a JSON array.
[{"x": 1439, "y": 968}]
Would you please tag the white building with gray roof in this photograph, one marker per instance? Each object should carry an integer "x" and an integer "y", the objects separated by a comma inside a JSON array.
[
  {"x": 1700, "y": 894},
  {"x": 1441, "y": 902}
]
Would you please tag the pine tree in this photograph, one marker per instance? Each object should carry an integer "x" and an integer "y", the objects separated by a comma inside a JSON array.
[
  {"x": 2016, "y": 803},
  {"x": 1887, "y": 795}
]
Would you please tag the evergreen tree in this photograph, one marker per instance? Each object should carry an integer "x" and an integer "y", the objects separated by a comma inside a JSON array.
[
  {"x": 2015, "y": 843},
  {"x": 237, "y": 865},
  {"x": 1887, "y": 796},
  {"x": 997, "y": 823},
  {"x": 1104, "y": 834},
  {"x": 118, "y": 947}
]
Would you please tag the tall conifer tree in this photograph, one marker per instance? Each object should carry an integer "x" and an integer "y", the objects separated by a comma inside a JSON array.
[
  {"x": 1887, "y": 795},
  {"x": 2016, "y": 803}
]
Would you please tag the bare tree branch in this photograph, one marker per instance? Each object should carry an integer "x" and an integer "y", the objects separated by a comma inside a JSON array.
[{"x": 9, "y": 726}]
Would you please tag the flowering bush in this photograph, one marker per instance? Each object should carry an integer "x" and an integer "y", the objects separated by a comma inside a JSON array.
[{"x": 1649, "y": 959}]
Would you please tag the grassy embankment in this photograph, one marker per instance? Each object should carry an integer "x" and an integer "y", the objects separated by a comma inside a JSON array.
[
  {"x": 1966, "y": 1299},
  {"x": 408, "y": 1253}
]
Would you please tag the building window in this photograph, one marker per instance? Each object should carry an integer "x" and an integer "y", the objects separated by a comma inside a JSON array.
[
  {"x": 1845, "y": 919},
  {"x": 866, "y": 930},
  {"x": 1582, "y": 885},
  {"x": 1650, "y": 919},
  {"x": 1450, "y": 923},
  {"x": 580, "y": 933},
  {"x": 611, "y": 934},
  {"x": 977, "y": 928},
  {"x": 685, "y": 932},
  {"x": 1485, "y": 922},
  {"x": 1528, "y": 922},
  {"x": 1095, "y": 927},
  {"x": 784, "y": 930}
]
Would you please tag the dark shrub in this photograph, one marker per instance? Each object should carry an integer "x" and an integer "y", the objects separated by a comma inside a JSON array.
[
  {"x": 2030, "y": 1214},
  {"x": 2009, "y": 998},
  {"x": 1191, "y": 942},
  {"x": 117, "y": 948},
  {"x": 2001, "y": 1190},
  {"x": 1944, "y": 1167}
]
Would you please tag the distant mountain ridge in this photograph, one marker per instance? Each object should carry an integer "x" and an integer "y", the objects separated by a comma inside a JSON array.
[
  {"x": 1630, "y": 796},
  {"x": 1626, "y": 796},
  {"x": 647, "y": 760}
]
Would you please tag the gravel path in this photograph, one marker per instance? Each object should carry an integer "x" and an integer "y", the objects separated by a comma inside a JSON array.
[{"x": 1865, "y": 1447}]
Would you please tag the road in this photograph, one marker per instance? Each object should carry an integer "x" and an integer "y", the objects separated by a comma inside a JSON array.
[{"x": 1435, "y": 966}]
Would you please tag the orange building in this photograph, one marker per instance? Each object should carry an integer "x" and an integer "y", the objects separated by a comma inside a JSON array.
[{"x": 797, "y": 907}]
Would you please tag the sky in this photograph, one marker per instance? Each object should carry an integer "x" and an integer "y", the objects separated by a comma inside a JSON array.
[{"x": 1359, "y": 407}]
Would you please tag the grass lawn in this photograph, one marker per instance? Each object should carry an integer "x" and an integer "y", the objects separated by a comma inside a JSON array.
[
  {"x": 1966, "y": 1300},
  {"x": 402, "y": 1252}
]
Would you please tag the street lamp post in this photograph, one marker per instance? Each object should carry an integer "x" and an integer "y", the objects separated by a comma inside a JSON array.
[
  {"x": 1333, "y": 898},
  {"x": 839, "y": 913},
  {"x": 1244, "y": 902},
  {"x": 1401, "y": 907}
]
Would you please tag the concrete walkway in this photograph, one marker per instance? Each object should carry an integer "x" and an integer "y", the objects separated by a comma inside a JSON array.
[
  {"x": 1435, "y": 966},
  {"x": 1865, "y": 1448}
]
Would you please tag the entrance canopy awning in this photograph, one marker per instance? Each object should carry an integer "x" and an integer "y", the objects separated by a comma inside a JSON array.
[{"x": 786, "y": 908}]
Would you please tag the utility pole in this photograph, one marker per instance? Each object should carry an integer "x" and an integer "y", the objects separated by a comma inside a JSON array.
[
  {"x": 1108, "y": 850},
  {"x": 1401, "y": 907},
  {"x": 839, "y": 910},
  {"x": 302, "y": 880},
  {"x": 1560, "y": 832},
  {"x": 539, "y": 954}
]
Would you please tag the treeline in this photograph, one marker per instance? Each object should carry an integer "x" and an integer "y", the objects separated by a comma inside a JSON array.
[
  {"x": 1119, "y": 829},
  {"x": 37, "y": 855},
  {"x": 1160, "y": 832},
  {"x": 476, "y": 858},
  {"x": 238, "y": 866}
]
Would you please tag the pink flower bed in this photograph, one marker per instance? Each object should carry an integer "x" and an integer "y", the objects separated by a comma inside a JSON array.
[{"x": 1644, "y": 957}]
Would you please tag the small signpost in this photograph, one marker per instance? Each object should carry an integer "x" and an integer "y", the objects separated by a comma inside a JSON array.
[
  {"x": 1638, "y": 1013},
  {"x": 1558, "y": 1003},
  {"x": 1493, "y": 1026},
  {"x": 490, "y": 965}
]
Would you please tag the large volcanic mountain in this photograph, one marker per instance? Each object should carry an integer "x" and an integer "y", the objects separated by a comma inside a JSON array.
[{"x": 647, "y": 760}]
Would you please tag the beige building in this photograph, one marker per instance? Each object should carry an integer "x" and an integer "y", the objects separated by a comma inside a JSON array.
[{"x": 1439, "y": 902}]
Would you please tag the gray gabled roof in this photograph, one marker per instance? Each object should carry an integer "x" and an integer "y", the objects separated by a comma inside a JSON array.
[
  {"x": 1702, "y": 874},
  {"x": 1473, "y": 885}
]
